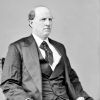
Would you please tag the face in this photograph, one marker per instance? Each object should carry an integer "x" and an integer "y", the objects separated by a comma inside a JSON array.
[{"x": 42, "y": 22}]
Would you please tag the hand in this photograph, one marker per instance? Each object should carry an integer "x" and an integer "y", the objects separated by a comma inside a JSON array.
[
  {"x": 80, "y": 98},
  {"x": 28, "y": 99}
]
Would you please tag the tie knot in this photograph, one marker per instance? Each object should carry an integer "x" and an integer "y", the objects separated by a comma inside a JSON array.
[
  {"x": 49, "y": 54},
  {"x": 44, "y": 46}
]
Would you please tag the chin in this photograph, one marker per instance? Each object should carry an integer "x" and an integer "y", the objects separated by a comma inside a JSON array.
[{"x": 46, "y": 35}]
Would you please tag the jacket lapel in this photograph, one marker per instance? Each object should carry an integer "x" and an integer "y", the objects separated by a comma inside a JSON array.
[
  {"x": 58, "y": 69},
  {"x": 31, "y": 58}
]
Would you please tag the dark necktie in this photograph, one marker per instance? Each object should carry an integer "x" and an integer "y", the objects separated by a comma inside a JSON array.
[{"x": 49, "y": 54}]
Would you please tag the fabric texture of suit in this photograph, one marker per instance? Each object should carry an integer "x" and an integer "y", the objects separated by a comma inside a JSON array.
[
  {"x": 22, "y": 77},
  {"x": 53, "y": 82}
]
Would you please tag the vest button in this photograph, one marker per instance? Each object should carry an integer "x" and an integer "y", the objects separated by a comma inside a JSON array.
[{"x": 52, "y": 85}]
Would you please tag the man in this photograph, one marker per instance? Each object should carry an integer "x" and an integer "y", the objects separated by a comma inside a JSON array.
[{"x": 37, "y": 67}]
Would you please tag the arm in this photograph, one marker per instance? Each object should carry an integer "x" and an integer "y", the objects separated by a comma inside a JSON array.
[
  {"x": 81, "y": 94},
  {"x": 12, "y": 76}
]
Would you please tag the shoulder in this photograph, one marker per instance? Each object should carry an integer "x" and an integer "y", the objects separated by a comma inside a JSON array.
[
  {"x": 23, "y": 41},
  {"x": 56, "y": 43},
  {"x": 17, "y": 45},
  {"x": 58, "y": 46}
]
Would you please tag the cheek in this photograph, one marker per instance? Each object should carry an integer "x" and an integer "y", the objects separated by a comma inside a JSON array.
[
  {"x": 38, "y": 27},
  {"x": 51, "y": 24},
  {"x": 41, "y": 26}
]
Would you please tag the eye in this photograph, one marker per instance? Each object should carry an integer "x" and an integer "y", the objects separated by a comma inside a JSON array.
[
  {"x": 43, "y": 19},
  {"x": 50, "y": 19}
]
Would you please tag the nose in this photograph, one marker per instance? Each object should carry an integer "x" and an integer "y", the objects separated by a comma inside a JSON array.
[{"x": 47, "y": 22}]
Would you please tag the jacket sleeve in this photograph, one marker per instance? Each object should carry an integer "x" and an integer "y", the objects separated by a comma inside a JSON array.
[
  {"x": 11, "y": 81},
  {"x": 74, "y": 80}
]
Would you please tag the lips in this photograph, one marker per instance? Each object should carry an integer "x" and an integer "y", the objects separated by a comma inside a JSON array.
[{"x": 47, "y": 28}]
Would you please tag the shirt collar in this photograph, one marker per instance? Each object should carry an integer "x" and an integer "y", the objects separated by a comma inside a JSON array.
[{"x": 39, "y": 40}]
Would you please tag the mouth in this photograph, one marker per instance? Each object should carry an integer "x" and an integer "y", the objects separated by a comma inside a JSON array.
[{"x": 47, "y": 28}]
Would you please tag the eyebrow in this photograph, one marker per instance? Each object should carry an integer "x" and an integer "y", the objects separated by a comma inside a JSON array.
[{"x": 46, "y": 18}]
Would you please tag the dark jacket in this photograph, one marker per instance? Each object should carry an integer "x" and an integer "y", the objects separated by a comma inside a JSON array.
[{"x": 21, "y": 76}]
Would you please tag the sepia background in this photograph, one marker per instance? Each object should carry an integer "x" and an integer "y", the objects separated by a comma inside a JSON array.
[{"x": 76, "y": 25}]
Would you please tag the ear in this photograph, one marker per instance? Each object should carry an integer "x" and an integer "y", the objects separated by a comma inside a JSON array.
[{"x": 30, "y": 22}]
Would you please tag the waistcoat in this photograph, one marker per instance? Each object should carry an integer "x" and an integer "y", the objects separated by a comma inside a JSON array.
[{"x": 53, "y": 82}]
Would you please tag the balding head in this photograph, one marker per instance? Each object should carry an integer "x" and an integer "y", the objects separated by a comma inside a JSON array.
[
  {"x": 41, "y": 10},
  {"x": 37, "y": 11}
]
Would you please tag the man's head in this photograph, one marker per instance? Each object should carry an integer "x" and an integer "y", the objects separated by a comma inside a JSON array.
[{"x": 40, "y": 20}]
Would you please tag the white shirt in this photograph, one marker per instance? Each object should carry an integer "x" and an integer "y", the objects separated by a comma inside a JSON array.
[{"x": 56, "y": 56}]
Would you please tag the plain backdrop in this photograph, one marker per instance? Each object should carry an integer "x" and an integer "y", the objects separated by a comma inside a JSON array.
[{"x": 76, "y": 25}]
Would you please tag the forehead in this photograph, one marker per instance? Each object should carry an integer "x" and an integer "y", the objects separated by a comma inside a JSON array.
[{"x": 42, "y": 12}]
